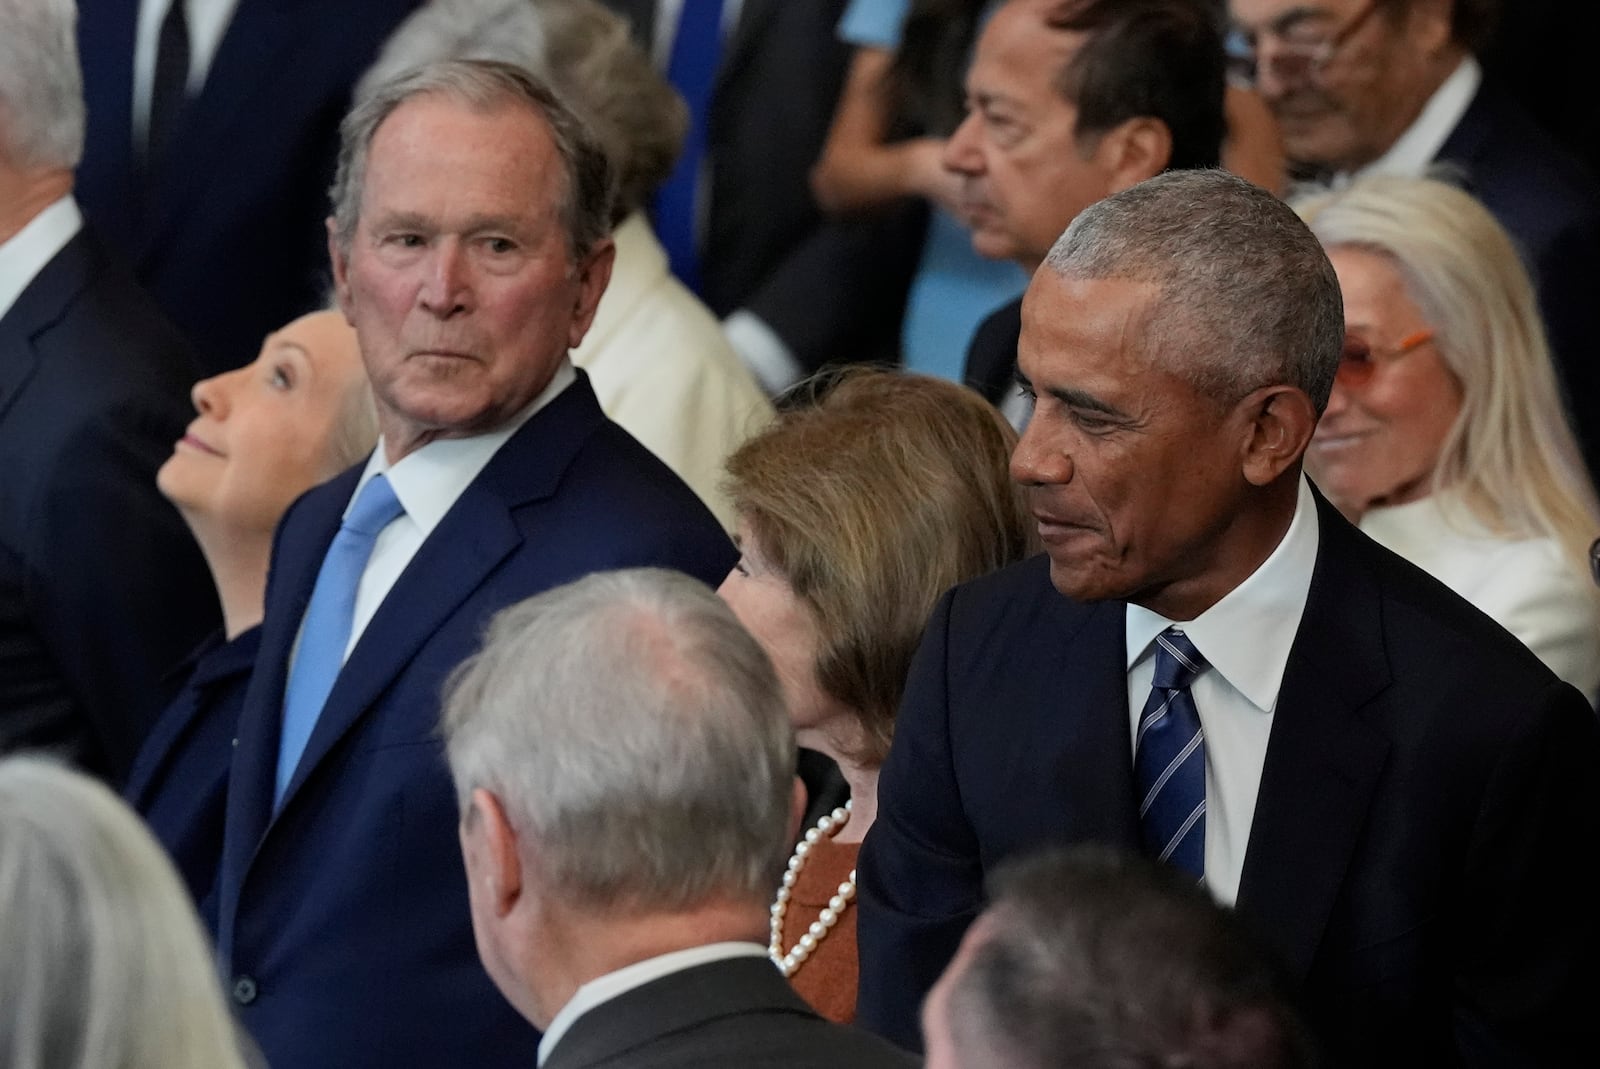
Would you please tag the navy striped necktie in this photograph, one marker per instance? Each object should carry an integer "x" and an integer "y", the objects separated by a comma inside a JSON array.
[{"x": 1169, "y": 764}]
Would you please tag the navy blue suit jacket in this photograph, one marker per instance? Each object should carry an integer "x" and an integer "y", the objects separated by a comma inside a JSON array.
[
  {"x": 102, "y": 588},
  {"x": 1550, "y": 205},
  {"x": 1428, "y": 788},
  {"x": 343, "y": 921},
  {"x": 227, "y": 230},
  {"x": 179, "y": 781}
]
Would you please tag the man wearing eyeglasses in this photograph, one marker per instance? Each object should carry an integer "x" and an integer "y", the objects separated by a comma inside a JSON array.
[{"x": 1394, "y": 86}]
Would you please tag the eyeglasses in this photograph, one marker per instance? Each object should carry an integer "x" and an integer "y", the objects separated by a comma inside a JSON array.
[
  {"x": 1300, "y": 49},
  {"x": 1360, "y": 358}
]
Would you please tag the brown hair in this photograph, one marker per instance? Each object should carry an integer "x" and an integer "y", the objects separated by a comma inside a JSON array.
[{"x": 874, "y": 492}]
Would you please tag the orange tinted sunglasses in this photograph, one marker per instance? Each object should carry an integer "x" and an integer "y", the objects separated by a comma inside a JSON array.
[{"x": 1360, "y": 358}]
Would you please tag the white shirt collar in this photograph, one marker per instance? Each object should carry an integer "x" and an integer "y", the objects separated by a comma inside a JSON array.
[
  {"x": 1415, "y": 149},
  {"x": 429, "y": 480},
  {"x": 605, "y": 988},
  {"x": 1247, "y": 635},
  {"x": 25, "y": 253}
]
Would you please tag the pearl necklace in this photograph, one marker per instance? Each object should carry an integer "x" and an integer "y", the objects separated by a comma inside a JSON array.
[{"x": 788, "y": 963}]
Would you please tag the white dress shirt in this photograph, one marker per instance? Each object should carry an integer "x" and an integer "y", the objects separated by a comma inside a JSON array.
[
  {"x": 208, "y": 21},
  {"x": 1246, "y": 638},
  {"x": 605, "y": 988},
  {"x": 1413, "y": 151},
  {"x": 428, "y": 483},
  {"x": 25, "y": 253}
]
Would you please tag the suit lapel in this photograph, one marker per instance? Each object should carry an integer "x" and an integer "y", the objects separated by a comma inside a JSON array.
[
  {"x": 1097, "y": 760},
  {"x": 304, "y": 538},
  {"x": 1324, "y": 758},
  {"x": 41, "y": 305}
]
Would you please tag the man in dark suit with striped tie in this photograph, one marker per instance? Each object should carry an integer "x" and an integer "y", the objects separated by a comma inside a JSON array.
[{"x": 1210, "y": 664}]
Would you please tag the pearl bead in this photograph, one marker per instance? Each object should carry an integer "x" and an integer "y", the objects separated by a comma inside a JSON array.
[{"x": 828, "y": 916}]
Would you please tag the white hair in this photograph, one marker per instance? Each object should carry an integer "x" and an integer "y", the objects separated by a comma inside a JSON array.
[
  {"x": 636, "y": 735},
  {"x": 41, "y": 85},
  {"x": 104, "y": 963},
  {"x": 1511, "y": 453}
]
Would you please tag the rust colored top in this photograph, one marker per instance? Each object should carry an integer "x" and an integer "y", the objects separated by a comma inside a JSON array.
[{"x": 827, "y": 979}]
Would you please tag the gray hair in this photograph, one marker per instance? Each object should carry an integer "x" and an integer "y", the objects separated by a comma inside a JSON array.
[
  {"x": 1248, "y": 298},
  {"x": 482, "y": 85},
  {"x": 1101, "y": 960},
  {"x": 578, "y": 47},
  {"x": 41, "y": 85},
  {"x": 1511, "y": 453},
  {"x": 105, "y": 963},
  {"x": 636, "y": 734}
]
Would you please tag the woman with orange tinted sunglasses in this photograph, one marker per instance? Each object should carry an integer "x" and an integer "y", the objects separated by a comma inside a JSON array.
[{"x": 1445, "y": 437}]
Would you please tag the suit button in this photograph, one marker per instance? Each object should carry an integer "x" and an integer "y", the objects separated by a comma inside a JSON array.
[{"x": 244, "y": 990}]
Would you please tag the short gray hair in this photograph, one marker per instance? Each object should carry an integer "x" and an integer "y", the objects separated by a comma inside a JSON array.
[
  {"x": 636, "y": 734},
  {"x": 105, "y": 962},
  {"x": 482, "y": 85},
  {"x": 41, "y": 85},
  {"x": 1248, "y": 297},
  {"x": 1094, "y": 958},
  {"x": 578, "y": 47}
]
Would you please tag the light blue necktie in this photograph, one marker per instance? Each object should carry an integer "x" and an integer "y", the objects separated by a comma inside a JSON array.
[
  {"x": 1169, "y": 764},
  {"x": 692, "y": 70},
  {"x": 326, "y": 630}
]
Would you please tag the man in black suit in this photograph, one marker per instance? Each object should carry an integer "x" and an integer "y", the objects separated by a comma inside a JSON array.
[
  {"x": 623, "y": 830},
  {"x": 1213, "y": 665},
  {"x": 102, "y": 589},
  {"x": 212, "y": 180},
  {"x": 1110, "y": 93},
  {"x": 795, "y": 290},
  {"x": 1394, "y": 86}
]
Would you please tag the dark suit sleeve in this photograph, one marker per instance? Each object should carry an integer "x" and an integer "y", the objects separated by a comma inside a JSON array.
[
  {"x": 919, "y": 875},
  {"x": 1528, "y": 937},
  {"x": 117, "y": 586}
]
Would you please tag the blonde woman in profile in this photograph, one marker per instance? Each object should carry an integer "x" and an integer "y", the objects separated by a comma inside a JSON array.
[
  {"x": 1445, "y": 437},
  {"x": 104, "y": 964}
]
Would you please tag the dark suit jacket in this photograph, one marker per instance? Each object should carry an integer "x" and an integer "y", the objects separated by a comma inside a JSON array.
[
  {"x": 102, "y": 589},
  {"x": 343, "y": 922},
  {"x": 736, "y": 1012},
  {"x": 1428, "y": 788},
  {"x": 991, "y": 367},
  {"x": 1551, "y": 206},
  {"x": 831, "y": 289},
  {"x": 227, "y": 231},
  {"x": 179, "y": 781}
]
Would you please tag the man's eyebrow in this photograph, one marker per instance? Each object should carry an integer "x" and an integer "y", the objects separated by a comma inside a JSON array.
[{"x": 1297, "y": 15}]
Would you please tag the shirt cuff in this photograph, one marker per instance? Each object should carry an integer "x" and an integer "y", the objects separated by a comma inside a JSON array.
[{"x": 762, "y": 351}]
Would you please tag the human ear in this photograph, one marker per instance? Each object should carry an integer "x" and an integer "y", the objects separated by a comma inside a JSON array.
[
  {"x": 1281, "y": 420},
  {"x": 489, "y": 844},
  {"x": 341, "y": 270},
  {"x": 592, "y": 274},
  {"x": 1132, "y": 151}
]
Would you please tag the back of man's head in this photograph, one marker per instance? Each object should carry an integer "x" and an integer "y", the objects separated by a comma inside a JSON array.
[
  {"x": 1248, "y": 297},
  {"x": 41, "y": 86},
  {"x": 636, "y": 737},
  {"x": 1100, "y": 960},
  {"x": 1160, "y": 59}
]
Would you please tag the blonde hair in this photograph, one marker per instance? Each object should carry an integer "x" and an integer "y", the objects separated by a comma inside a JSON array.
[
  {"x": 1511, "y": 454},
  {"x": 104, "y": 964},
  {"x": 872, "y": 493}
]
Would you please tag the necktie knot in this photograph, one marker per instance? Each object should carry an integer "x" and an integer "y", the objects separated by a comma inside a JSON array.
[
  {"x": 374, "y": 509},
  {"x": 1177, "y": 661}
]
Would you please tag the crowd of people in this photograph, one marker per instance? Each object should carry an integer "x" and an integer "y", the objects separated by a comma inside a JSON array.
[{"x": 1004, "y": 534}]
